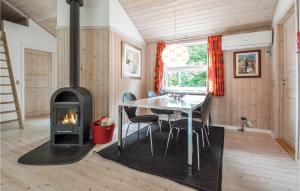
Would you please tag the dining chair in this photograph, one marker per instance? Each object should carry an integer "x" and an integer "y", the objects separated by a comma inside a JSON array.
[
  {"x": 196, "y": 125},
  {"x": 138, "y": 119},
  {"x": 159, "y": 112},
  {"x": 197, "y": 115}
]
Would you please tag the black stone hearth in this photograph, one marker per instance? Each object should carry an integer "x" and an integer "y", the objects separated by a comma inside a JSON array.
[{"x": 55, "y": 155}]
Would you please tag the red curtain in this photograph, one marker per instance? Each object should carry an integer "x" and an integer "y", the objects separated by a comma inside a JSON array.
[
  {"x": 159, "y": 68},
  {"x": 215, "y": 66}
]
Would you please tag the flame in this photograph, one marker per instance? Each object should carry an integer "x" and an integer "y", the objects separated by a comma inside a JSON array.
[{"x": 69, "y": 118}]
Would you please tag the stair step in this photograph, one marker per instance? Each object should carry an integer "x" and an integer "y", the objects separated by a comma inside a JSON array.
[
  {"x": 5, "y": 60},
  {"x": 7, "y": 102},
  {"x": 10, "y": 111},
  {"x": 8, "y": 93},
  {"x": 9, "y": 121}
]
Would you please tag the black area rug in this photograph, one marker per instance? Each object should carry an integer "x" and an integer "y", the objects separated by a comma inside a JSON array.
[
  {"x": 137, "y": 155},
  {"x": 55, "y": 155}
]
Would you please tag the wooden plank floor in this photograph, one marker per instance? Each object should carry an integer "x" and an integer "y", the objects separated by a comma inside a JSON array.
[{"x": 252, "y": 161}]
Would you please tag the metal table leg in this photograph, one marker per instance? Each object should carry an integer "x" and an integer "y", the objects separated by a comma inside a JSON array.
[
  {"x": 190, "y": 142},
  {"x": 120, "y": 144}
]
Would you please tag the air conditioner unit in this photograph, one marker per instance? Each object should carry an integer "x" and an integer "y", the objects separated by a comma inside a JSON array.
[{"x": 247, "y": 40}]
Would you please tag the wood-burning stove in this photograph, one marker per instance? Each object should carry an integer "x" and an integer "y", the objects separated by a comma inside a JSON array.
[
  {"x": 71, "y": 116},
  {"x": 71, "y": 107}
]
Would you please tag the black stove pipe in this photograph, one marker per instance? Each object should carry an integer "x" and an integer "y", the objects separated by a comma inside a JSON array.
[{"x": 74, "y": 41}]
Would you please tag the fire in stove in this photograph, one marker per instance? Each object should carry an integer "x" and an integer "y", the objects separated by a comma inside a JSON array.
[{"x": 70, "y": 118}]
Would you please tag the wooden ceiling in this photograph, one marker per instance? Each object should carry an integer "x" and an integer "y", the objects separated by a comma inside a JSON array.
[
  {"x": 155, "y": 19},
  {"x": 9, "y": 13},
  {"x": 42, "y": 12}
]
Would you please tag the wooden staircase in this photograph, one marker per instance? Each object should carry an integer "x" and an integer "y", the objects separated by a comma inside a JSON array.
[{"x": 7, "y": 80}]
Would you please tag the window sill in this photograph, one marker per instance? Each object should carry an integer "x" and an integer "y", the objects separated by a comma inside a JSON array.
[{"x": 186, "y": 92}]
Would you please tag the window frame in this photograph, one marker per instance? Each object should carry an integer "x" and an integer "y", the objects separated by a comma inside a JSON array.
[{"x": 187, "y": 68}]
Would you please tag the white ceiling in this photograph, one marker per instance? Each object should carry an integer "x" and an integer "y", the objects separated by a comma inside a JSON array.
[{"x": 155, "y": 19}]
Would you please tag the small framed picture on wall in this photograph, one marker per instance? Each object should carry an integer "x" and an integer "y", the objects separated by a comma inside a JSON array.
[
  {"x": 131, "y": 61},
  {"x": 247, "y": 64}
]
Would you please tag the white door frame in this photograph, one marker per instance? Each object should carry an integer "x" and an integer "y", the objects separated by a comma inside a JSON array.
[
  {"x": 278, "y": 68},
  {"x": 297, "y": 146}
]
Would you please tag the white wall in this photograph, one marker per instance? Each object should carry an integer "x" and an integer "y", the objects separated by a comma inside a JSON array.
[
  {"x": 93, "y": 13},
  {"x": 100, "y": 13},
  {"x": 20, "y": 37},
  {"x": 119, "y": 19}
]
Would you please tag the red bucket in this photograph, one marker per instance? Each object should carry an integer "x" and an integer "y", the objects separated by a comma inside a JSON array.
[{"x": 102, "y": 134}]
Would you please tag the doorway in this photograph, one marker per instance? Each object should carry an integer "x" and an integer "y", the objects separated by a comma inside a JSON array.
[
  {"x": 288, "y": 86},
  {"x": 38, "y": 82}
]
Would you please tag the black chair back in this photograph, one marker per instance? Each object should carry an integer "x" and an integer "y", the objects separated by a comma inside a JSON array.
[
  {"x": 151, "y": 94},
  {"x": 130, "y": 111},
  {"x": 205, "y": 108},
  {"x": 163, "y": 92}
]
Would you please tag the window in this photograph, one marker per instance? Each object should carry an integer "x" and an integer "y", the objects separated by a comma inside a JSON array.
[{"x": 192, "y": 77}]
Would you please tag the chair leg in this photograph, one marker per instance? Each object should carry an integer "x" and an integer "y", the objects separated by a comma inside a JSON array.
[
  {"x": 170, "y": 124},
  {"x": 178, "y": 132},
  {"x": 170, "y": 132},
  {"x": 150, "y": 132},
  {"x": 202, "y": 138},
  {"x": 159, "y": 123},
  {"x": 198, "y": 151},
  {"x": 126, "y": 134},
  {"x": 206, "y": 135},
  {"x": 208, "y": 130},
  {"x": 210, "y": 122},
  {"x": 147, "y": 132},
  {"x": 138, "y": 131}
]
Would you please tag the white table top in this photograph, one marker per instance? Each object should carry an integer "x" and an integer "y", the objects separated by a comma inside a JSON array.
[{"x": 188, "y": 102}]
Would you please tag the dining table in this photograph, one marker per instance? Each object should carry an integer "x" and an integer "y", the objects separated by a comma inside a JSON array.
[{"x": 187, "y": 104}]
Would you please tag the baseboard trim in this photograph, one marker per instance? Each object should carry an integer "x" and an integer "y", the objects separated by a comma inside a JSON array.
[
  {"x": 247, "y": 129},
  {"x": 286, "y": 147}
]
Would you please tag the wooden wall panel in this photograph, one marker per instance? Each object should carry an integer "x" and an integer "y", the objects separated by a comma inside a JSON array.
[
  {"x": 94, "y": 63},
  {"x": 101, "y": 75},
  {"x": 100, "y": 68},
  {"x": 249, "y": 97},
  {"x": 150, "y": 62},
  {"x": 117, "y": 84}
]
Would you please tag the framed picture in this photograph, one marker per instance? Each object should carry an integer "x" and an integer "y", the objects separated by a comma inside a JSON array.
[
  {"x": 246, "y": 64},
  {"x": 131, "y": 61}
]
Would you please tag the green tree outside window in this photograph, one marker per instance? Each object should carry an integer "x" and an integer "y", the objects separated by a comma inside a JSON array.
[{"x": 197, "y": 56}]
